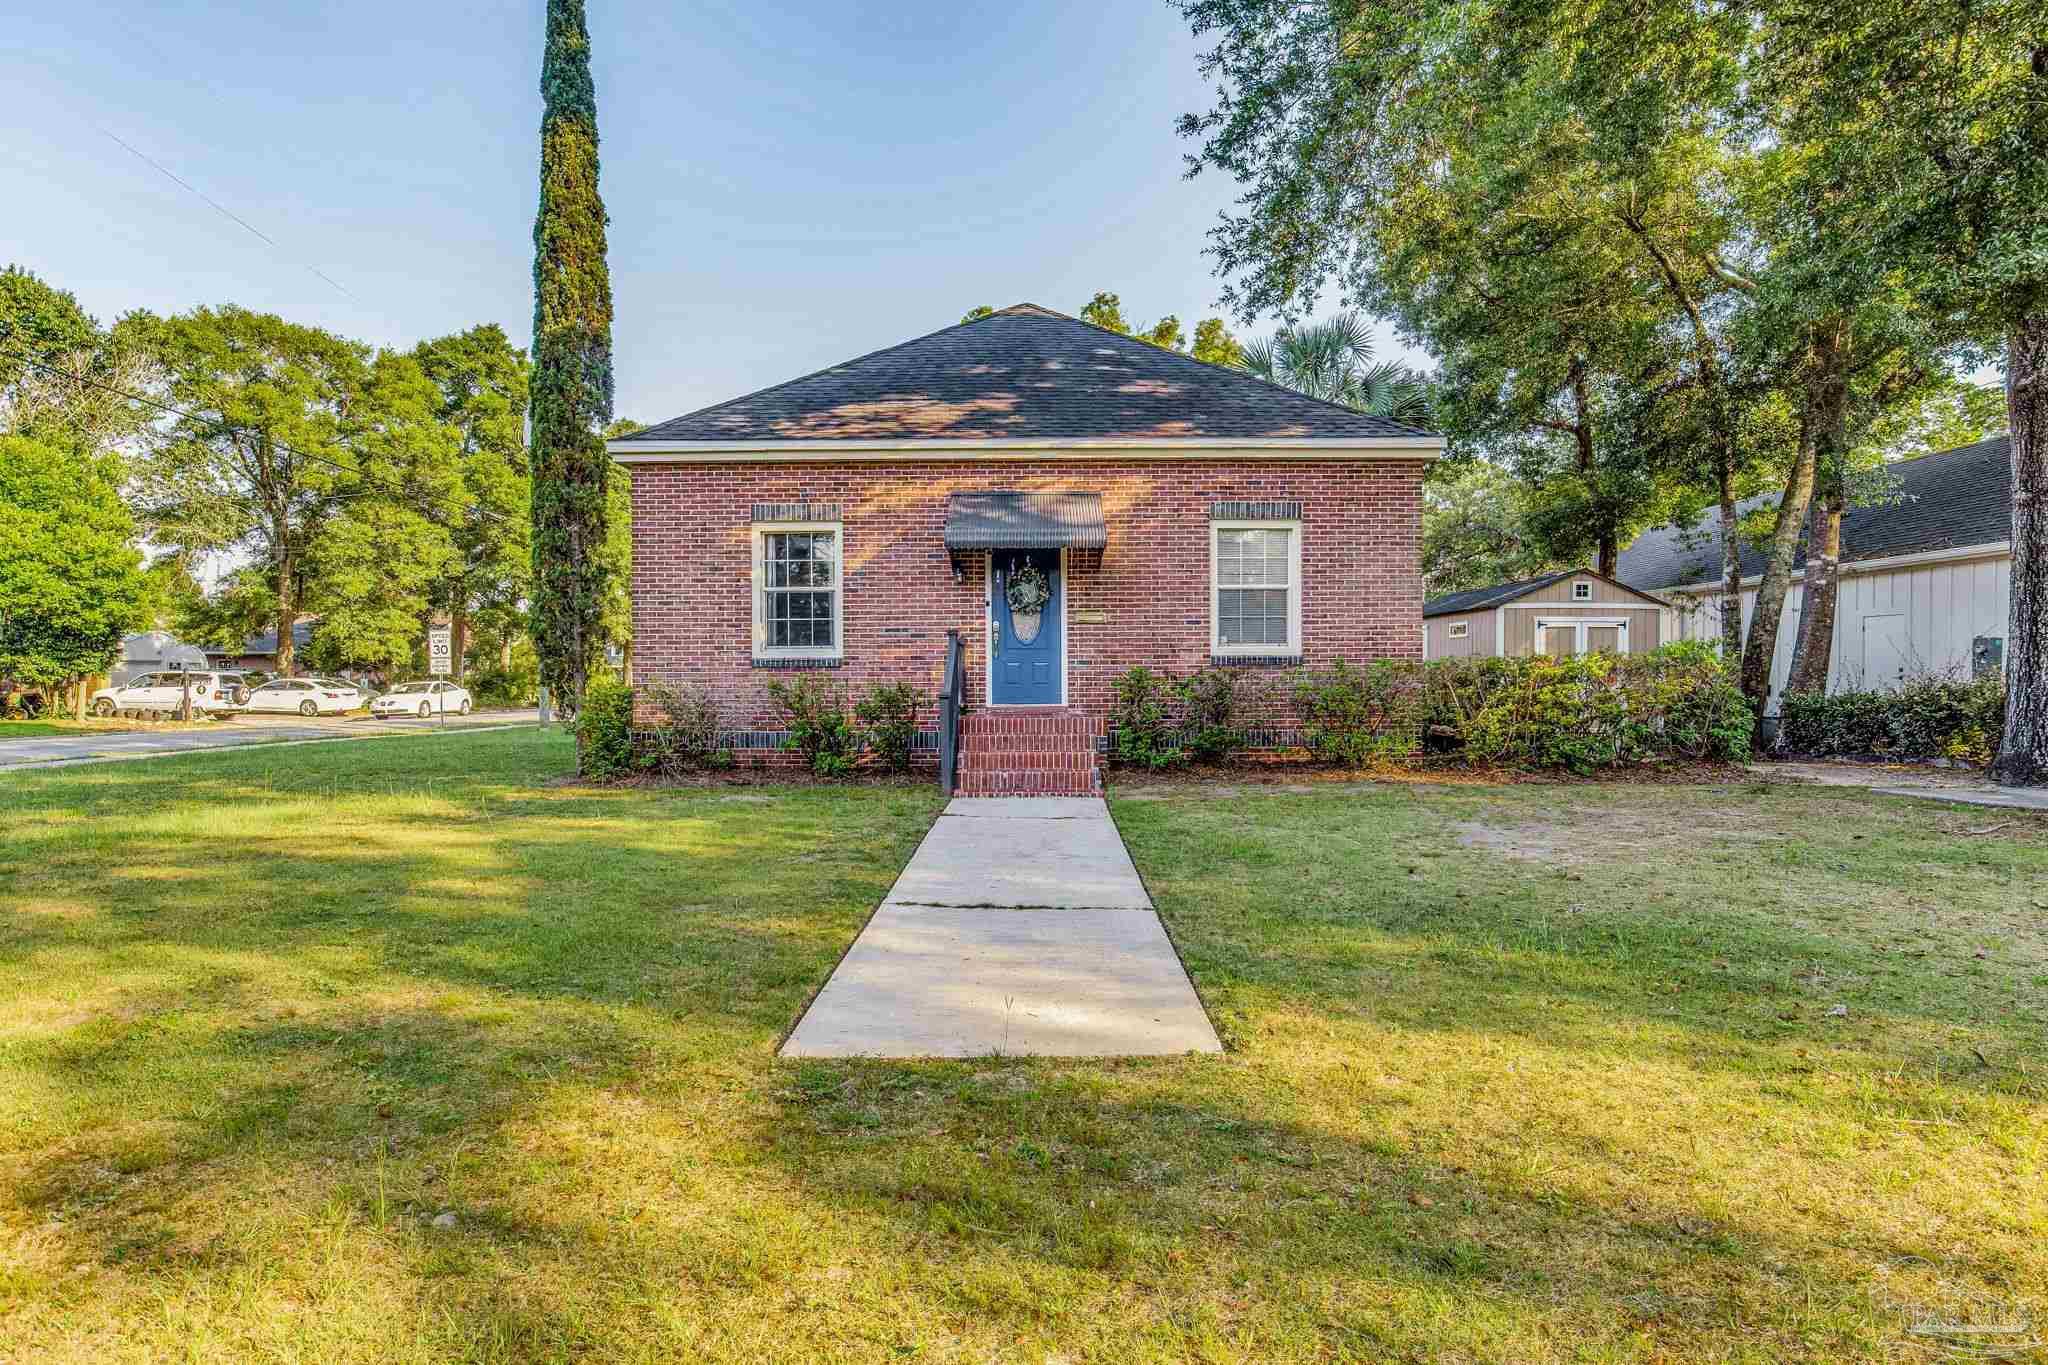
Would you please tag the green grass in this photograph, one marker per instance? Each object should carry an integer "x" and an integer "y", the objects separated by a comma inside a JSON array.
[
  {"x": 263, "y": 1014},
  {"x": 36, "y": 729}
]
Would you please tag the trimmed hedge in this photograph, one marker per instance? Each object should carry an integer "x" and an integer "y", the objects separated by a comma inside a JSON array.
[
  {"x": 1588, "y": 712},
  {"x": 1929, "y": 718}
]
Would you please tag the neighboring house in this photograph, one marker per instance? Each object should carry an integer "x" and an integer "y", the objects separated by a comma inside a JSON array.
[
  {"x": 1573, "y": 612},
  {"x": 153, "y": 651},
  {"x": 1924, "y": 579},
  {"x": 259, "y": 651},
  {"x": 1071, "y": 501}
]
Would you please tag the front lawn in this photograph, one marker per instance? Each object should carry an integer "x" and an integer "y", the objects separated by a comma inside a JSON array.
[{"x": 1526, "y": 1074}]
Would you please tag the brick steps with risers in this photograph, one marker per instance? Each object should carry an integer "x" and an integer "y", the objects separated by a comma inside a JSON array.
[{"x": 1029, "y": 751}]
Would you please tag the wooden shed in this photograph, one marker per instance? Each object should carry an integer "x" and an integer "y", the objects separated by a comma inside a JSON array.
[{"x": 1573, "y": 612}]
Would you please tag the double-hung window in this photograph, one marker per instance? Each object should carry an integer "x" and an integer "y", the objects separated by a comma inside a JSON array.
[
  {"x": 1255, "y": 588},
  {"x": 798, "y": 587}
]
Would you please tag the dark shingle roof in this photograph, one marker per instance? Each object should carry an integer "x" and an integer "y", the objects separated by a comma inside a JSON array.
[
  {"x": 1024, "y": 373},
  {"x": 265, "y": 642},
  {"x": 1018, "y": 521},
  {"x": 1957, "y": 497},
  {"x": 1478, "y": 599}
]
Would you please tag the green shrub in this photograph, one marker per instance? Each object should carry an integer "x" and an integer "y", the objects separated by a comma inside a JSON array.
[
  {"x": 1141, "y": 718},
  {"x": 1213, "y": 704},
  {"x": 888, "y": 718},
  {"x": 687, "y": 734},
  {"x": 1927, "y": 718},
  {"x": 1597, "y": 710},
  {"x": 604, "y": 730},
  {"x": 1358, "y": 717},
  {"x": 819, "y": 727}
]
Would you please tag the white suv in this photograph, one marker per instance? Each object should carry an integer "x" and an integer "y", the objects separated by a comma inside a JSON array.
[{"x": 212, "y": 693}]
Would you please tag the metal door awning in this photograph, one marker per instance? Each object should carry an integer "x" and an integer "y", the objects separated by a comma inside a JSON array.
[{"x": 1025, "y": 521}]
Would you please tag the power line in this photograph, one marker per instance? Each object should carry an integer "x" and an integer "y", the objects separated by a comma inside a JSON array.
[
  {"x": 221, "y": 208},
  {"x": 229, "y": 428}
]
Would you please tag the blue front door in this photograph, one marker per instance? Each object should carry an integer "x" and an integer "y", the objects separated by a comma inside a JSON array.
[{"x": 1025, "y": 649}]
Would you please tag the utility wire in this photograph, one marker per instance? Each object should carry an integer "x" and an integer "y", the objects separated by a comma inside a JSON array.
[
  {"x": 230, "y": 428},
  {"x": 219, "y": 207}
]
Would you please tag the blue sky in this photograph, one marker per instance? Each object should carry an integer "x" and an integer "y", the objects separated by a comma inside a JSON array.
[{"x": 789, "y": 184}]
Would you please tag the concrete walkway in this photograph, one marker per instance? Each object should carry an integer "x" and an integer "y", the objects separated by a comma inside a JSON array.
[
  {"x": 1960, "y": 785},
  {"x": 1019, "y": 928}
]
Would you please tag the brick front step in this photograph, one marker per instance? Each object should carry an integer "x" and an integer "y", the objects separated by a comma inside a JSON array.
[
  {"x": 1029, "y": 751},
  {"x": 1009, "y": 782}
]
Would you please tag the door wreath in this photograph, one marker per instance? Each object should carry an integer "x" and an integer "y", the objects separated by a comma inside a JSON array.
[{"x": 1028, "y": 590}]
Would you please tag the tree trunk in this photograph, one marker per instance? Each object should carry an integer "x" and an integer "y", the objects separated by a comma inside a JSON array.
[
  {"x": 2023, "y": 753},
  {"x": 1814, "y": 654},
  {"x": 287, "y": 603},
  {"x": 1760, "y": 653},
  {"x": 1823, "y": 404},
  {"x": 1731, "y": 572},
  {"x": 1609, "y": 548},
  {"x": 458, "y": 635}
]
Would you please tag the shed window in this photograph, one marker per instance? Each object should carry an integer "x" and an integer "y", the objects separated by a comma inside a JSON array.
[
  {"x": 1460, "y": 629},
  {"x": 797, "y": 591},
  {"x": 1582, "y": 592},
  {"x": 1255, "y": 584}
]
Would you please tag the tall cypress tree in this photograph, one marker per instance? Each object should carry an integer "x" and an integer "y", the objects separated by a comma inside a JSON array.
[{"x": 572, "y": 364}]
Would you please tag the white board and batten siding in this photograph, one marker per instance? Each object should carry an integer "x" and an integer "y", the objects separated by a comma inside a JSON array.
[{"x": 1918, "y": 616}]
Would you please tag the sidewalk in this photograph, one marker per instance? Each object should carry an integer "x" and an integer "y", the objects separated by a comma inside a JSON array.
[{"x": 1019, "y": 928}]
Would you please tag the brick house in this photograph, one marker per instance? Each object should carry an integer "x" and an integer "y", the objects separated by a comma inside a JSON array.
[{"x": 1070, "y": 501}]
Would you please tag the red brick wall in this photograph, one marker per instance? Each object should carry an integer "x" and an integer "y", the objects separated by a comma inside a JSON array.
[{"x": 692, "y": 566}]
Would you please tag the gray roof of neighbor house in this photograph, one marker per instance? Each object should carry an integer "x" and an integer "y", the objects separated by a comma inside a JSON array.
[
  {"x": 265, "y": 642},
  {"x": 1952, "y": 498},
  {"x": 1025, "y": 373},
  {"x": 1025, "y": 521},
  {"x": 1478, "y": 599}
]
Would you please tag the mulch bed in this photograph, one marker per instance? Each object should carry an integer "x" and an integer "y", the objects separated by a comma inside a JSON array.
[{"x": 1426, "y": 772}]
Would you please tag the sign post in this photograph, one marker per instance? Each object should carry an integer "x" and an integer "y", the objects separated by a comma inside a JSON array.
[{"x": 440, "y": 659}]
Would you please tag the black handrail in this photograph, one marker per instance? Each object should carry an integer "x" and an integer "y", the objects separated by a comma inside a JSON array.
[{"x": 949, "y": 712}]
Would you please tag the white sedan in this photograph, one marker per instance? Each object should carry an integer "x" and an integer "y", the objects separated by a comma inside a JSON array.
[
  {"x": 307, "y": 696},
  {"x": 423, "y": 699}
]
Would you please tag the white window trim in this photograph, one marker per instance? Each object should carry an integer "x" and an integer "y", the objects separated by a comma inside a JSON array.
[
  {"x": 1459, "y": 630},
  {"x": 1577, "y": 625},
  {"x": 1582, "y": 591},
  {"x": 1294, "y": 590},
  {"x": 764, "y": 529}
]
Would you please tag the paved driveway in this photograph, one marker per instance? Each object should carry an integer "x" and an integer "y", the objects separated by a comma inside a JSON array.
[
  {"x": 52, "y": 751},
  {"x": 1020, "y": 926}
]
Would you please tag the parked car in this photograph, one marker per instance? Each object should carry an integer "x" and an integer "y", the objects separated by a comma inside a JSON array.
[
  {"x": 307, "y": 696},
  {"x": 423, "y": 699},
  {"x": 212, "y": 693},
  {"x": 357, "y": 694}
]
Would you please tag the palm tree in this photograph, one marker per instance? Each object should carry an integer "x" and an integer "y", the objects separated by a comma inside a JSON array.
[{"x": 1332, "y": 360}]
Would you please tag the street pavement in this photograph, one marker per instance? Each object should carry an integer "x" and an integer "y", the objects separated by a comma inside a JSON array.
[{"x": 99, "y": 746}]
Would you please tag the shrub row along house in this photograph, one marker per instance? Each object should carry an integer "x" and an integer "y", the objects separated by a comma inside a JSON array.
[
  {"x": 1072, "y": 502},
  {"x": 1924, "y": 580}
]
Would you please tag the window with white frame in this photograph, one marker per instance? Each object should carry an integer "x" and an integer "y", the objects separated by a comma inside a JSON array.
[
  {"x": 798, "y": 612},
  {"x": 1582, "y": 592},
  {"x": 1255, "y": 577},
  {"x": 1460, "y": 629}
]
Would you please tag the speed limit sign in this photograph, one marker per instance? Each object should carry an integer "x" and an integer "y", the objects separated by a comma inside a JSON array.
[{"x": 440, "y": 650}]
